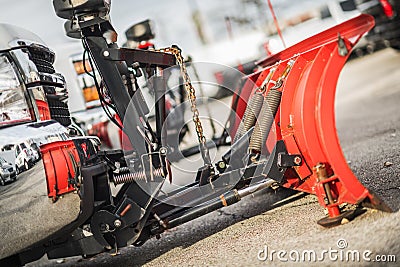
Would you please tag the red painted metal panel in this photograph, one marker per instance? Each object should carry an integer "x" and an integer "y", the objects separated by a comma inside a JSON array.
[
  {"x": 61, "y": 161},
  {"x": 306, "y": 121}
]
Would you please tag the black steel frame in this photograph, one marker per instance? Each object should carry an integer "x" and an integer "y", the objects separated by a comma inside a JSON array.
[{"x": 141, "y": 216}]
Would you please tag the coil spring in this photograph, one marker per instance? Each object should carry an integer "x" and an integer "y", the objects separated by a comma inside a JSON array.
[
  {"x": 123, "y": 170},
  {"x": 265, "y": 120},
  {"x": 136, "y": 176},
  {"x": 250, "y": 115}
]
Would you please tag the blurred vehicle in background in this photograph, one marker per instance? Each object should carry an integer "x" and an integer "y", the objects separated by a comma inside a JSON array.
[
  {"x": 294, "y": 30},
  {"x": 7, "y": 172},
  {"x": 24, "y": 157},
  {"x": 34, "y": 147},
  {"x": 333, "y": 12},
  {"x": 386, "y": 32}
]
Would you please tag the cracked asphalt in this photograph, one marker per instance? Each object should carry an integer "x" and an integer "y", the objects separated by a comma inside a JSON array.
[{"x": 368, "y": 122}]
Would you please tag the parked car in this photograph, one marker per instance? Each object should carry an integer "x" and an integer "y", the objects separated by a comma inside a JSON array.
[
  {"x": 7, "y": 172},
  {"x": 33, "y": 147},
  {"x": 24, "y": 157},
  {"x": 387, "y": 22}
]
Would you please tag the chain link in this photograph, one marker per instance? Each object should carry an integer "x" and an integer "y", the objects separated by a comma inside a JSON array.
[
  {"x": 176, "y": 51},
  {"x": 189, "y": 89}
]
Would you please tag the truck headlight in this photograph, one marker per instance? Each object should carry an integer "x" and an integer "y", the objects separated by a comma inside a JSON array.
[{"x": 68, "y": 9}]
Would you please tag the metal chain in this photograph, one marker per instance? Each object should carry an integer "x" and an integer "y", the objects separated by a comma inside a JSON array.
[
  {"x": 176, "y": 51},
  {"x": 189, "y": 89}
]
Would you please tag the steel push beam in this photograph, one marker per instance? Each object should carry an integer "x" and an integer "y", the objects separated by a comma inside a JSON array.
[{"x": 305, "y": 120}]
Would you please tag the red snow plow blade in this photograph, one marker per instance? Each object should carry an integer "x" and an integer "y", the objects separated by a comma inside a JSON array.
[{"x": 305, "y": 120}]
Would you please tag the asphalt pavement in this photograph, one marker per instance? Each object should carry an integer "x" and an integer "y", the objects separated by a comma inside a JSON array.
[{"x": 261, "y": 231}]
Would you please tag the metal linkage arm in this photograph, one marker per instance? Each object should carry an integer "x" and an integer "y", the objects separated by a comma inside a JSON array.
[
  {"x": 143, "y": 57},
  {"x": 118, "y": 93}
]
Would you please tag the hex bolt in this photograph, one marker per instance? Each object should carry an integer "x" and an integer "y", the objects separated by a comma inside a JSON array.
[
  {"x": 163, "y": 150},
  {"x": 117, "y": 223},
  {"x": 106, "y": 53},
  {"x": 297, "y": 160},
  {"x": 221, "y": 165}
]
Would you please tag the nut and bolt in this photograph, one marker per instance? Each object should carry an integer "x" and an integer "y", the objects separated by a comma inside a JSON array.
[
  {"x": 163, "y": 150},
  {"x": 297, "y": 160},
  {"x": 221, "y": 165},
  {"x": 117, "y": 223}
]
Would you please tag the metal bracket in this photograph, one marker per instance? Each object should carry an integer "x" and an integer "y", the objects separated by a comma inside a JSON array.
[
  {"x": 286, "y": 161},
  {"x": 342, "y": 48},
  {"x": 144, "y": 57},
  {"x": 273, "y": 169}
]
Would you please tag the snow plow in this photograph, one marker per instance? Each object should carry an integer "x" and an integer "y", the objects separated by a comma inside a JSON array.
[
  {"x": 304, "y": 77},
  {"x": 81, "y": 200}
]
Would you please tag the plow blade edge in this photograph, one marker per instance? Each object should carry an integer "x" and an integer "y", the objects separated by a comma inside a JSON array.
[{"x": 305, "y": 120}]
